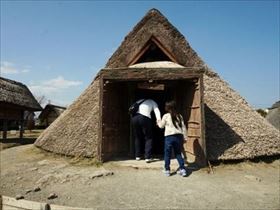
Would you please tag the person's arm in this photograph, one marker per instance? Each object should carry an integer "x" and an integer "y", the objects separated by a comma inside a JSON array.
[
  {"x": 161, "y": 123},
  {"x": 156, "y": 110},
  {"x": 157, "y": 113}
]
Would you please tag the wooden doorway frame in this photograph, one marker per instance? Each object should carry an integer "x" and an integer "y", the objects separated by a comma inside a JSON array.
[{"x": 154, "y": 74}]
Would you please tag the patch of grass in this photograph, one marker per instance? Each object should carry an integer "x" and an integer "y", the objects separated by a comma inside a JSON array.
[
  {"x": 35, "y": 151},
  {"x": 77, "y": 161},
  {"x": 81, "y": 161},
  {"x": 7, "y": 145},
  {"x": 261, "y": 159},
  {"x": 27, "y": 133},
  {"x": 42, "y": 154}
]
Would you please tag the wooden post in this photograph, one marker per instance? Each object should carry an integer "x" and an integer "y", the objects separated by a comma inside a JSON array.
[
  {"x": 131, "y": 140},
  {"x": 1, "y": 203},
  {"x": 100, "y": 133},
  {"x": 199, "y": 143},
  {"x": 202, "y": 127},
  {"x": 5, "y": 128},
  {"x": 21, "y": 125}
]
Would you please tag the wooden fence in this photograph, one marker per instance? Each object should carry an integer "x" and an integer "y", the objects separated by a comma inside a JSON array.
[{"x": 9, "y": 203}]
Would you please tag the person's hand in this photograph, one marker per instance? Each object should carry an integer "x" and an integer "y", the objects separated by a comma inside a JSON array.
[{"x": 158, "y": 122}]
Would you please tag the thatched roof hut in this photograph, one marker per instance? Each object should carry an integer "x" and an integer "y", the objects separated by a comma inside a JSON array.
[
  {"x": 50, "y": 113},
  {"x": 15, "y": 99},
  {"x": 273, "y": 115},
  {"x": 221, "y": 123},
  {"x": 17, "y": 94}
]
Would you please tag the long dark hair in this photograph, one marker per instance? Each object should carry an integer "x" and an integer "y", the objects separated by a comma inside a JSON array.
[{"x": 170, "y": 107}]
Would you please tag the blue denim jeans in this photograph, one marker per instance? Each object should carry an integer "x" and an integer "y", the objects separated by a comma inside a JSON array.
[{"x": 173, "y": 142}]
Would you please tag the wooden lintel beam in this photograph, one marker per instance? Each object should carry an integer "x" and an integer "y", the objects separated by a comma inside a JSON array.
[{"x": 150, "y": 74}]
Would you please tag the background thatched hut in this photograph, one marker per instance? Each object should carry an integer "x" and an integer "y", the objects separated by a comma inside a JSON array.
[
  {"x": 273, "y": 115},
  {"x": 15, "y": 99},
  {"x": 50, "y": 113},
  {"x": 221, "y": 123}
]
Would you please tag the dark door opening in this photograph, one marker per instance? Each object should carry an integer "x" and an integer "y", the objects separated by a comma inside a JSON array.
[
  {"x": 159, "y": 96},
  {"x": 182, "y": 91}
]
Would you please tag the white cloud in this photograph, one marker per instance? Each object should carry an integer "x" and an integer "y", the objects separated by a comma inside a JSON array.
[
  {"x": 55, "y": 85},
  {"x": 10, "y": 68},
  {"x": 25, "y": 70},
  {"x": 42, "y": 89},
  {"x": 6, "y": 63},
  {"x": 57, "y": 90},
  {"x": 60, "y": 82}
]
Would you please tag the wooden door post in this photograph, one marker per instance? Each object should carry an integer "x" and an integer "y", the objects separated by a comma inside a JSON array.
[
  {"x": 5, "y": 128},
  {"x": 21, "y": 125},
  {"x": 1, "y": 202}
]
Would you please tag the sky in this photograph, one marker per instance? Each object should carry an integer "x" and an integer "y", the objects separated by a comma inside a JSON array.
[{"x": 56, "y": 48}]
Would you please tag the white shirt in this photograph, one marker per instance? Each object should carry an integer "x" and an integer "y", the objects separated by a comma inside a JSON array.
[
  {"x": 147, "y": 106},
  {"x": 170, "y": 129}
]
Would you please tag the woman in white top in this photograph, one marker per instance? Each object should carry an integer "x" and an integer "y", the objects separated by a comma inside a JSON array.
[{"x": 175, "y": 133}]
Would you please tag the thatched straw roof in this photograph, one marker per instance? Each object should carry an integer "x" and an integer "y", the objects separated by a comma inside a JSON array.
[
  {"x": 273, "y": 115},
  {"x": 16, "y": 93},
  {"x": 75, "y": 131},
  {"x": 233, "y": 129},
  {"x": 275, "y": 105},
  {"x": 154, "y": 24},
  {"x": 51, "y": 107}
]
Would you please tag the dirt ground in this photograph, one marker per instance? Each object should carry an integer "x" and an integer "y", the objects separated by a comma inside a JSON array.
[{"x": 136, "y": 185}]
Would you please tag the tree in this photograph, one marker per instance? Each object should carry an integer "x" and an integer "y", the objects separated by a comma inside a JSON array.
[{"x": 42, "y": 100}]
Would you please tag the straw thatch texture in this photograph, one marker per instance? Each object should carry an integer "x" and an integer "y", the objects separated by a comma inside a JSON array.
[
  {"x": 233, "y": 129},
  {"x": 16, "y": 93},
  {"x": 154, "y": 24},
  {"x": 273, "y": 115},
  {"x": 58, "y": 110},
  {"x": 75, "y": 132}
]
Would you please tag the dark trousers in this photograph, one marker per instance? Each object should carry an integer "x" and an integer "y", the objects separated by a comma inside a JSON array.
[
  {"x": 173, "y": 142},
  {"x": 142, "y": 127}
]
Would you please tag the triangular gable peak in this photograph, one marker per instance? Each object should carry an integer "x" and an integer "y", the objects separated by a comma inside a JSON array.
[
  {"x": 153, "y": 50},
  {"x": 154, "y": 30}
]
